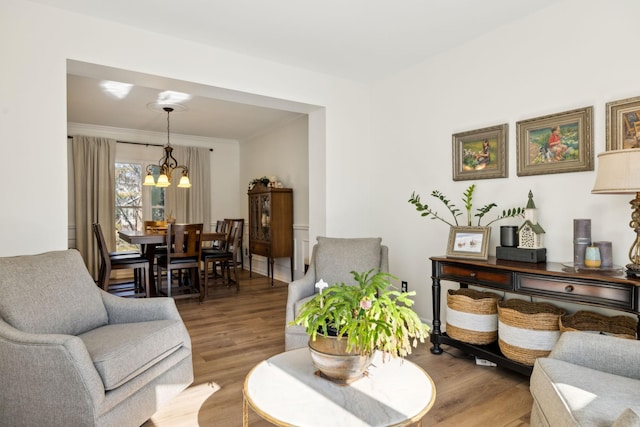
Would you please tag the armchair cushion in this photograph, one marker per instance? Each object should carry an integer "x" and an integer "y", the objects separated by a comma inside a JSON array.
[
  {"x": 335, "y": 258},
  {"x": 577, "y": 396},
  {"x": 587, "y": 380},
  {"x": 122, "y": 351},
  {"x": 56, "y": 305}
]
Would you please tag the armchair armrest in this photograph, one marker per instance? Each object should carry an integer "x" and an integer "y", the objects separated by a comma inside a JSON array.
[
  {"x": 125, "y": 310},
  {"x": 618, "y": 356},
  {"x": 47, "y": 371},
  {"x": 298, "y": 289}
]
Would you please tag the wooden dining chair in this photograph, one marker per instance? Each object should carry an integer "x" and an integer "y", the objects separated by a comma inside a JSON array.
[
  {"x": 183, "y": 252},
  {"x": 240, "y": 253},
  {"x": 115, "y": 261},
  {"x": 226, "y": 259}
]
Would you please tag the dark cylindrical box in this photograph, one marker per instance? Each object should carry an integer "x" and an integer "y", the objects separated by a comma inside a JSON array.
[{"x": 509, "y": 236}]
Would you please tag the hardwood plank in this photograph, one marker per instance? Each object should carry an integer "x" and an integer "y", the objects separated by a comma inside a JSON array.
[{"x": 233, "y": 331}]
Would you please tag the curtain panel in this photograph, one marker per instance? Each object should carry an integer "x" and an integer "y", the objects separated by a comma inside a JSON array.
[{"x": 94, "y": 192}]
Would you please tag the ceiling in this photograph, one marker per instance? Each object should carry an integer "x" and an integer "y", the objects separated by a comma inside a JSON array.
[{"x": 360, "y": 40}]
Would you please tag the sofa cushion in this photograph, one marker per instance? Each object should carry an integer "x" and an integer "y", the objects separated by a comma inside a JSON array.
[
  {"x": 50, "y": 293},
  {"x": 120, "y": 352},
  {"x": 335, "y": 258},
  {"x": 573, "y": 395}
]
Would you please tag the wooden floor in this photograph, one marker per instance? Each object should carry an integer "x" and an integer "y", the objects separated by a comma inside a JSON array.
[{"x": 233, "y": 331}]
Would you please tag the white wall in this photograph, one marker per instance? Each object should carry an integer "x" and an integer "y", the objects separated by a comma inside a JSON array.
[
  {"x": 282, "y": 152},
  {"x": 571, "y": 55}
]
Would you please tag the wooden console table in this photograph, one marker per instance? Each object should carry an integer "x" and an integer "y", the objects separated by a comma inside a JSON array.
[{"x": 544, "y": 280}]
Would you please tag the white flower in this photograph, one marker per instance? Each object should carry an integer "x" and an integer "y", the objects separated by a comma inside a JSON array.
[{"x": 321, "y": 285}]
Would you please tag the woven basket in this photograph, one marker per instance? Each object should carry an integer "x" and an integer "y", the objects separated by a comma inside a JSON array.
[
  {"x": 589, "y": 321},
  {"x": 472, "y": 316},
  {"x": 527, "y": 330}
]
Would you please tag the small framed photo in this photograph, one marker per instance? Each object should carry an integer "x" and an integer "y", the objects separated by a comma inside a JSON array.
[
  {"x": 480, "y": 154},
  {"x": 623, "y": 124},
  {"x": 556, "y": 143},
  {"x": 469, "y": 242}
]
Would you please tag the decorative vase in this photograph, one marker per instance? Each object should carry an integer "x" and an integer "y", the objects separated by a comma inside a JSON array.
[
  {"x": 592, "y": 257},
  {"x": 329, "y": 354}
]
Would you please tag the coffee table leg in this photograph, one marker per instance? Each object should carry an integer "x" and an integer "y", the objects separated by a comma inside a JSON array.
[{"x": 245, "y": 412}]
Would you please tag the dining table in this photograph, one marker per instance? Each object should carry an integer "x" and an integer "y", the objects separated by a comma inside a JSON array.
[{"x": 149, "y": 240}]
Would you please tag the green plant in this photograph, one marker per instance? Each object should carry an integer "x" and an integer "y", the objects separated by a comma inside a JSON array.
[
  {"x": 468, "y": 204},
  {"x": 370, "y": 315}
]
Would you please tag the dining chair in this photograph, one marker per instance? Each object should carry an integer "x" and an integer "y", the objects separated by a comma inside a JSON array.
[
  {"x": 183, "y": 252},
  {"x": 226, "y": 258},
  {"x": 116, "y": 261},
  {"x": 240, "y": 254}
]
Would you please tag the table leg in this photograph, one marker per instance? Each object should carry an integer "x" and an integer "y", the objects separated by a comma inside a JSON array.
[
  {"x": 435, "y": 298},
  {"x": 245, "y": 412},
  {"x": 150, "y": 254}
]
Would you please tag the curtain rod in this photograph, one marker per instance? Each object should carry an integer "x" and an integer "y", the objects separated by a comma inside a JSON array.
[{"x": 138, "y": 143}]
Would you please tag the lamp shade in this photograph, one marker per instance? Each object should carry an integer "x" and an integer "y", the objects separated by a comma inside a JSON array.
[
  {"x": 618, "y": 172},
  {"x": 148, "y": 180},
  {"x": 184, "y": 182},
  {"x": 163, "y": 181}
]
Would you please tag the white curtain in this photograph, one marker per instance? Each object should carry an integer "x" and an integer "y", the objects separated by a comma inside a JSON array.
[
  {"x": 191, "y": 205},
  {"x": 94, "y": 192}
]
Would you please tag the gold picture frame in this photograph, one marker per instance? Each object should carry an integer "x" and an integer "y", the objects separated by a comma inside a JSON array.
[
  {"x": 469, "y": 243},
  {"x": 623, "y": 124},
  {"x": 480, "y": 153},
  {"x": 556, "y": 143}
]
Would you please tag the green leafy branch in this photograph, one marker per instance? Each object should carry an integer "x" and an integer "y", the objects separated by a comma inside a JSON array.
[{"x": 455, "y": 212}]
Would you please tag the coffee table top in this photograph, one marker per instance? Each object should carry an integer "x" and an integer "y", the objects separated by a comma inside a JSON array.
[{"x": 285, "y": 390}]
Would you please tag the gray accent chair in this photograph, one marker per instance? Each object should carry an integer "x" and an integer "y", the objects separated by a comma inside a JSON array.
[
  {"x": 332, "y": 260},
  {"x": 72, "y": 354},
  {"x": 587, "y": 380}
]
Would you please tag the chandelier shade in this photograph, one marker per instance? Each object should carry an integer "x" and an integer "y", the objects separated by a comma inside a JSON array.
[{"x": 167, "y": 165}]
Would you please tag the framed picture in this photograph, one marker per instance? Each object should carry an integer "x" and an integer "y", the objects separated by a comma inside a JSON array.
[
  {"x": 469, "y": 242},
  {"x": 623, "y": 124},
  {"x": 480, "y": 153},
  {"x": 556, "y": 143}
]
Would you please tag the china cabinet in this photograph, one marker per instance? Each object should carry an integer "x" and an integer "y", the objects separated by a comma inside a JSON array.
[{"x": 270, "y": 225}]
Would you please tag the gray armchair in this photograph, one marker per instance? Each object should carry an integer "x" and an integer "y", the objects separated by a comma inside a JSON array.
[
  {"x": 75, "y": 355},
  {"x": 587, "y": 380},
  {"x": 332, "y": 260}
]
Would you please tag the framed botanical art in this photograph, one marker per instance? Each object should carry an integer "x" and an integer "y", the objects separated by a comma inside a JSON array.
[
  {"x": 469, "y": 242},
  {"x": 623, "y": 124},
  {"x": 555, "y": 143},
  {"x": 480, "y": 154}
]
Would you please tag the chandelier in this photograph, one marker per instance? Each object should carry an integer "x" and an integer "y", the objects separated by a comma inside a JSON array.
[{"x": 167, "y": 165}]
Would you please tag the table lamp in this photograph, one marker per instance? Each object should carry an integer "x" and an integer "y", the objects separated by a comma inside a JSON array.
[{"x": 619, "y": 173}]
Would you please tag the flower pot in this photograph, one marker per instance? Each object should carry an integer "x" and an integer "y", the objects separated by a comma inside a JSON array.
[{"x": 329, "y": 354}]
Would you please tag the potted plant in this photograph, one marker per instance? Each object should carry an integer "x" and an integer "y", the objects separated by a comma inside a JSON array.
[
  {"x": 356, "y": 320},
  {"x": 455, "y": 212}
]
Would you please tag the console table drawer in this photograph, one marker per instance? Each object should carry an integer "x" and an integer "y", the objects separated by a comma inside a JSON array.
[
  {"x": 607, "y": 294},
  {"x": 477, "y": 276}
]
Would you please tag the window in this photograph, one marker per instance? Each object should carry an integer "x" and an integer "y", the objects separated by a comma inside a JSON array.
[
  {"x": 135, "y": 202},
  {"x": 128, "y": 200}
]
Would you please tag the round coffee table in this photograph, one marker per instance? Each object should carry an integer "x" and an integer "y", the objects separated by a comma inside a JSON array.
[{"x": 286, "y": 391}]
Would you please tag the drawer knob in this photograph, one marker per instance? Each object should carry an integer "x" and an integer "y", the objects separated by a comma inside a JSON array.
[
  {"x": 568, "y": 288},
  {"x": 472, "y": 274}
]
